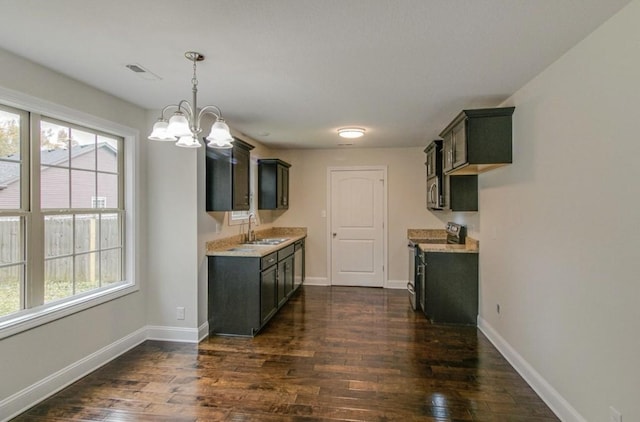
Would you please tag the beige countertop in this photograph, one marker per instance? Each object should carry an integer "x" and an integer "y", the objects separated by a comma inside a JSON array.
[
  {"x": 234, "y": 246},
  {"x": 471, "y": 245}
]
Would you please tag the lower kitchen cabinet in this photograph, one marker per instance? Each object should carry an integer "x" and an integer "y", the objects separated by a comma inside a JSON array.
[
  {"x": 268, "y": 293},
  {"x": 246, "y": 292},
  {"x": 451, "y": 288},
  {"x": 285, "y": 279}
]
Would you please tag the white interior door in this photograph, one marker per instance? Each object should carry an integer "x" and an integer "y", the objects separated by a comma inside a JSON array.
[{"x": 357, "y": 227}]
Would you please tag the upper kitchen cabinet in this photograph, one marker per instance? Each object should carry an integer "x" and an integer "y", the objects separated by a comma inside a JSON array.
[
  {"x": 227, "y": 177},
  {"x": 477, "y": 141},
  {"x": 273, "y": 184}
]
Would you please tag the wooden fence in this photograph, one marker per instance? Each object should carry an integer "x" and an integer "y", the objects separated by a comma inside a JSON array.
[{"x": 92, "y": 235}]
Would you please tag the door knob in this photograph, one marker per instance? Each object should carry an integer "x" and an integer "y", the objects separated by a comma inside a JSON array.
[{"x": 335, "y": 234}]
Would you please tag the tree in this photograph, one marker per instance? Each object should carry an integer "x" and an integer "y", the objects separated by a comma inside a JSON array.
[{"x": 9, "y": 137}]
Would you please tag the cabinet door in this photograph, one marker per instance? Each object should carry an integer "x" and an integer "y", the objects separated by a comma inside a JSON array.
[
  {"x": 447, "y": 152},
  {"x": 431, "y": 163},
  {"x": 268, "y": 281},
  {"x": 459, "y": 134},
  {"x": 288, "y": 275},
  {"x": 283, "y": 187},
  {"x": 240, "y": 179},
  {"x": 281, "y": 290}
]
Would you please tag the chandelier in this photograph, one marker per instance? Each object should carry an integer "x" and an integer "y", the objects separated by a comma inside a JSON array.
[{"x": 184, "y": 124}]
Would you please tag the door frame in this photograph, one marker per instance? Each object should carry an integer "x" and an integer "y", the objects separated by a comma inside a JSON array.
[{"x": 385, "y": 217}]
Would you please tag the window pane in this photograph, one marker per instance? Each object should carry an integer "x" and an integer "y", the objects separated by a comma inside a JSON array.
[
  {"x": 58, "y": 235},
  {"x": 108, "y": 188},
  {"x": 58, "y": 279},
  {"x": 9, "y": 135},
  {"x": 83, "y": 188},
  {"x": 107, "y": 154},
  {"x": 11, "y": 250},
  {"x": 54, "y": 144},
  {"x": 110, "y": 231},
  {"x": 83, "y": 150},
  {"x": 54, "y": 187},
  {"x": 87, "y": 270},
  {"x": 10, "y": 282},
  {"x": 111, "y": 266},
  {"x": 10, "y": 185},
  {"x": 86, "y": 232}
]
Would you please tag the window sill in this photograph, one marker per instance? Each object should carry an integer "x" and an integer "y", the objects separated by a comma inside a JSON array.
[{"x": 32, "y": 318}]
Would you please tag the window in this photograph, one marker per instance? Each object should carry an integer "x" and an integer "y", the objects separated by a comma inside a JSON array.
[
  {"x": 62, "y": 211},
  {"x": 98, "y": 202},
  {"x": 237, "y": 218}
]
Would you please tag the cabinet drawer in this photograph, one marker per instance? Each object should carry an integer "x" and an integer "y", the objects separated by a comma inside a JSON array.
[
  {"x": 269, "y": 260},
  {"x": 285, "y": 252}
]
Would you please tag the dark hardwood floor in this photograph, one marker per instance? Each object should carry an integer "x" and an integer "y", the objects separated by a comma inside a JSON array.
[{"x": 332, "y": 353}]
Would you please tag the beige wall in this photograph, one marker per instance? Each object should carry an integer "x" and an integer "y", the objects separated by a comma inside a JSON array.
[
  {"x": 560, "y": 239},
  {"x": 406, "y": 201}
]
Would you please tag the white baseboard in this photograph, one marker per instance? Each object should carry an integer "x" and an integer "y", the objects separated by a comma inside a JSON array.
[
  {"x": 317, "y": 281},
  {"x": 203, "y": 331},
  {"x": 396, "y": 284},
  {"x": 22, "y": 400},
  {"x": 324, "y": 281},
  {"x": 561, "y": 407},
  {"x": 181, "y": 334}
]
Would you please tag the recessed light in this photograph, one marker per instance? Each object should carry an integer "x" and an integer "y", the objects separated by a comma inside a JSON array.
[{"x": 351, "y": 132}]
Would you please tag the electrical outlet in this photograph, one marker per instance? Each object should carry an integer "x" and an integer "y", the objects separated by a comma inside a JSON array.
[
  {"x": 614, "y": 415},
  {"x": 498, "y": 308},
  {"x": 180, "y": 312}
]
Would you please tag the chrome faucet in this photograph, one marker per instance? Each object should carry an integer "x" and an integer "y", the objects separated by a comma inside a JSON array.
[{"x": 251, "y": 236}]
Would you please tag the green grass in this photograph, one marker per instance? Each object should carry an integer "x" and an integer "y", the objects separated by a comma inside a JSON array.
[{"x": 54, "y": 290}]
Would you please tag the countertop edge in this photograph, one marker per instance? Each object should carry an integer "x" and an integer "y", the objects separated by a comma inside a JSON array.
[{"x": 257, "y": 251}]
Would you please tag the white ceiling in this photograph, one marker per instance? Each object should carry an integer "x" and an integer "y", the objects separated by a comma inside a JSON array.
[{"x": 300, "y": 69}]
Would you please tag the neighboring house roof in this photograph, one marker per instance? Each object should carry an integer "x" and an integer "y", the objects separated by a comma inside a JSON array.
[{"x": 9, "y": 173}]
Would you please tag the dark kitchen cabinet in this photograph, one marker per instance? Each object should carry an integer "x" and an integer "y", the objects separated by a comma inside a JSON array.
[
  {"x": 477, "y": 141},
  {"x": 227, "y": 177},
  {"x": 273, "y": 184},
  {"x": 268, "y": 292},
  {"x": 246, "y": 292},
  {"x": 285, "y": 273},
  {"x": 451, "y": 287},
  {"x": 461, "y": 192}
]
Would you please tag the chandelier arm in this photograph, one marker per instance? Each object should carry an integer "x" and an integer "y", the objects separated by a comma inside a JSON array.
[
  {"x": 167, "y": 108},
  {"x": 184, "y": 105},
  {"x": 208, "y": 110}
]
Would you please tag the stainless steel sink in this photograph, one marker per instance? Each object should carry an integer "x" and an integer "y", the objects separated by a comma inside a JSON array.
[{"x": 268, "y": 242}]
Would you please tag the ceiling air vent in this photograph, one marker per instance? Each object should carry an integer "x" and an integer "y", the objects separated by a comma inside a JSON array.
[
  {"x": 142, "y": 72},
  {"x": 136, "y": 68}
]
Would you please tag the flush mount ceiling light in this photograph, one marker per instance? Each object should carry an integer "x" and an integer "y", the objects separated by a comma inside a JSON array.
[
  {"x": 351, "y": 132},
  {"x": 184, "y": 125}
]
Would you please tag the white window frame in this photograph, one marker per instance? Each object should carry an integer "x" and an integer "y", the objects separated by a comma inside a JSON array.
[{"x": 30, "y": 318}]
